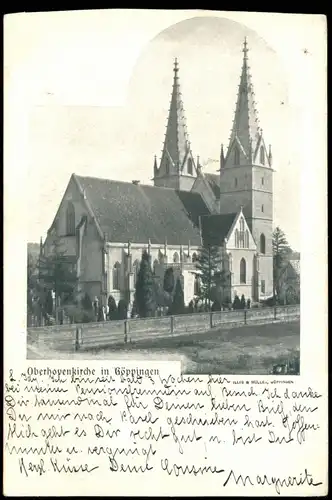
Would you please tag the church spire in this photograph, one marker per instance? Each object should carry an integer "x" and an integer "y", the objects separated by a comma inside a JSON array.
[
  {"x": 245, "y": 130},
  {"x": 176, "y": 159},
  {"x": 176, "y": 139}
]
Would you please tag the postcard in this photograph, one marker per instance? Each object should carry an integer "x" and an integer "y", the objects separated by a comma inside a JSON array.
[{"x": 165, "y": 253}]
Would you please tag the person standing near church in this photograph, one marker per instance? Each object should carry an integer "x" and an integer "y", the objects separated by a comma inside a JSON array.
[{"x": 96, "y": 307}]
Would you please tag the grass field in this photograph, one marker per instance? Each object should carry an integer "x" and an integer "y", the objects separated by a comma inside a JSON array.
[{"x": 242, "y": 350}]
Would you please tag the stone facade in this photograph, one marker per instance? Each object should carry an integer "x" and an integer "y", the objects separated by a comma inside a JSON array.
[{"x": 123, "y": 263}]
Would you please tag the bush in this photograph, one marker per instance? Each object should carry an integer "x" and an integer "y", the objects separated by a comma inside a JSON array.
[
  {"x": 86, "y": 303},
  {"x": 134, "y": 311},
  {"x": 227, "y": 305},
  {"x": 216, "y": 306},
  {"x": 270, "y": 302},
  {"x": 287, "y": 365},
  {"x": 236, "y": 303},
  {"x": 191, "y": 307},
  {"x": 79, "y": 315}
]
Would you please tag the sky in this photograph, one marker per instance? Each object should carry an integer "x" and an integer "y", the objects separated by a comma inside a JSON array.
[{"x": 91, "y": 91}]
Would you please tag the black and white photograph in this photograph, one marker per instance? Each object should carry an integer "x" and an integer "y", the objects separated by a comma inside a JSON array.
[
  {"x": 165, "y": 221},
  {"x": 165, "y": 254}
]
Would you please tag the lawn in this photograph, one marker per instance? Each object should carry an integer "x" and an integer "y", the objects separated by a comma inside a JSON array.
[{"x": 253, "y": 349}]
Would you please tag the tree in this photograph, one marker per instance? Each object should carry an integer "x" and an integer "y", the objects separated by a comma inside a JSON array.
[
  {"x": 178, "y": 299},
  {"x": 169, "y": 280},
  {"x": 281, "y": 252},
  {"x": 221, "y": 280},
  {"x": 112, "y": 309},
  {"x": 32, "y": 275},
  {"x": 49, "y": 303},
  {"x": 33, "y": 288},
  {"x": 145, "y": 288},
  {"x": 57, "y": 273},
  {"x": 163, "y": 298},
  {"x": 208, "y": 262},
  {"x": 122, "y": 309}
]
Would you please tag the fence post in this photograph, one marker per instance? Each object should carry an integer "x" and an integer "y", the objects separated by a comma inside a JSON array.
[
  {"x": 172, "y": 324},
  {"x": 245, "y": 316},
  {"x": 211, "y": 319},
  {"x": 77, "y": 339},
  {"x": 125, "y": 331}
]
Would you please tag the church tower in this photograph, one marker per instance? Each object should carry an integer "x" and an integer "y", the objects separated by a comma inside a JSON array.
[
  {"x": 177, "y": 167},
  {"x": 246, "y": 176}
]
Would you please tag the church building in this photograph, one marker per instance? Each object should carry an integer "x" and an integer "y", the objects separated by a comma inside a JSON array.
[{"x": 104, "y": 225}]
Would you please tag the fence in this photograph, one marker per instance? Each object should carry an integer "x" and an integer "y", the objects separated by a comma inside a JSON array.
[{"x": 96, "y": 335}]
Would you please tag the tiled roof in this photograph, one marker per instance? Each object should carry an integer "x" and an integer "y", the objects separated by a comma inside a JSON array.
[
  {"x": 216, "y": 227},
  {"x": 137, "y": 213},
  {"x": 213, "y": 180}
]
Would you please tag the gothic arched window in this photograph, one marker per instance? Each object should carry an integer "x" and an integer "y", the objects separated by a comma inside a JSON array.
[
  {"x": 70, "y": 220},
  {"x": 190, "y": 166},
  {"x": 246, "y": 239},
  {"x": 194, "y": 257},
  {"x": 236, "y": 156},
  {"x": 262, "y": 243},
  {"x": 197, "y": 285},
  {"x": 262, "y": 155},
  {"x": 241, "y": 234},
  {"x": 243, "y": 271},
  {"x": 116, "y": 276},
  {"x": 237, "y": 238},
  {"x": 176, "y": 257}
]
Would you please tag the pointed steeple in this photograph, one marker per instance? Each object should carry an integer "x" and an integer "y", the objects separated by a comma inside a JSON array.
[
  {"x": 177, "y": 158},
  {"x": 222, "y": 157},
  {"x": 245, "y": 125},
  {"x": 155, "y": 165},
  {"x": 176, "y": 140}
]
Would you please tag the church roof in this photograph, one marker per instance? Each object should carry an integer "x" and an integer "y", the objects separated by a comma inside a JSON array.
[
  {"x": 213, "y": 180},
  {"x": 215, "y": 228},
  {"x": 137, "y": 212}
]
